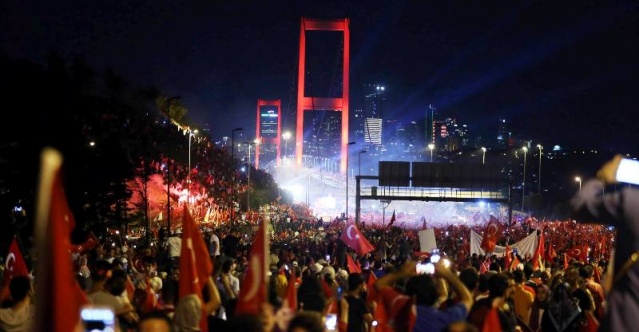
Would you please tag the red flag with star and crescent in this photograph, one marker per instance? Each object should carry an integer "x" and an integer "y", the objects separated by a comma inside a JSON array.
[
  {"x": 195, "y": 264},
  {"x": 14, "y": 266},
  {"x": 491, "y": 234},
  {"x": 253, "y": 292},
  {"x": 352, "y": 237},
  {"x": 59, "y": 296}
]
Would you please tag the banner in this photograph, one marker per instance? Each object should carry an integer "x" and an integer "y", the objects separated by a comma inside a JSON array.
[
  {"x": 427, "y": 240},
  {"x": 525, "y": 247}
]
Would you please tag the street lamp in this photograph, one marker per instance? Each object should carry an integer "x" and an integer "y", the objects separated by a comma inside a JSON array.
[
  {"x": 286, "y": 136},
  {"x": 347, "y": 145},
  {"x": 578, "y": 179},
  {"x": 248, "y": 181},
  {"x": 523, "y": 184},
  {"x": 359, "y": 162},
  {"x": 232, "y": 204},
  {"x": 483, "y": 157},
  {"x": 431, "y": 147},
  {"x": 541, "y": 152},
  {"x": 188, "y": 176}
]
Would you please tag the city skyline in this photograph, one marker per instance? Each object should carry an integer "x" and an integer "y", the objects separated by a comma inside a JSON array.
[{"x": 561, "y": 73}]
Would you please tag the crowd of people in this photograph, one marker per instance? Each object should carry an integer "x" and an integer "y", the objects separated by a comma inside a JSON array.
[{"x": 317, "y": 282}]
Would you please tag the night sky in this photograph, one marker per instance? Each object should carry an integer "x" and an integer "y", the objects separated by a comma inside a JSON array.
[{"x": 562, "y": 72}]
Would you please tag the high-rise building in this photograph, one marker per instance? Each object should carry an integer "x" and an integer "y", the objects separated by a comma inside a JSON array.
[
  {"x": 503, "y": 135},
  {"x": 375, "y": 100},
  {"x": 373, "y": 131}
]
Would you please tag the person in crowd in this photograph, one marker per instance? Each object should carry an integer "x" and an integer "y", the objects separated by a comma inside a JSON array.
[
  {"x": 231, "y": 243},
  {"x": 174, "y": 244},
  {"x": 562, "y": 313},
  {"x": 155, "y": 321},
  {"x": 310, "y": 296},
  {"x": 430, "y": 291},
  {"x": 359, "y": 316},
  {"x": 306, "y": 321},
  {"x": 596, "y": 290},
  {"x": 542, "y": 295},
  {"x": 522, "y": 298},
  {"x": 619, "y": 209},
  {"x": 500, "y": 289},
  {"x": 20, "y": 316},
  {"x": 188, "y": 313}
]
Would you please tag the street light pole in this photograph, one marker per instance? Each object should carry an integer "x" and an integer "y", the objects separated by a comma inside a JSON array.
[
  {"x": 347, "y": 145},
  {"x": 541, "y": 152},
  {"x": 483, "y": 157},
  {"x": 431, "y": 147},
  {"x": 286, "y": 136},
  {"x": 231, "y": 203},
  {"x": 248, "y": 181},
  {"x": 359, "y": 162},
  {"x": 188, "y": 176},
  {"x": 523, "y": 184}
]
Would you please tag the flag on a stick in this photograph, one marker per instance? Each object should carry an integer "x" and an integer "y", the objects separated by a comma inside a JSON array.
[
  {"x": 253, "y": 291},
  {"x": 14, "y": 266},
  {"x": 491, "y": 234},
  {"x": 290, "y": 300},
  {"x": 392, "y": 220},
  {"x": 352, "y": 266},
  {"x": 59, "y": 296},
  {"x": 195, "y": 264},
  {"x": 353, "y": 238}
]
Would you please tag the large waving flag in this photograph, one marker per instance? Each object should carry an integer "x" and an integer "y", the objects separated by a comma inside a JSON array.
[
  {"x": 14, "y": 266},
  {"x": 491, "y": 234},
  {"x": 195, "y": 265},
  {"x": 352, "y": 237},
  {"x": 538, "y": 257},
  {"x": 253, "y": 291},
  {"x": 59, "y": 296}
]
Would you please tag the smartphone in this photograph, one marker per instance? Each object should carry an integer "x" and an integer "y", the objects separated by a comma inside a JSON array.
[
  {"x": 331, "y": 322},
  {"x": 328, "y": 258},
  {"x": 98, "y": 318},
  {"x": 425, "y": 268}
]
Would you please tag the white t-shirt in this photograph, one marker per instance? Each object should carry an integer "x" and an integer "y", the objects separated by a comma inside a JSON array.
[{"x": 215, "y": 239}]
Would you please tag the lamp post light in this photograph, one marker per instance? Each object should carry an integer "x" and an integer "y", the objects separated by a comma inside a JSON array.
[
  {"x": 483, "y": 157},
  {"x": 286, "y": 136},
  {"x": 347, "y": 145},
  {"x": 248, "y": 181},
  {"x": 541, "y": 152},
  {"x": 192, "y": 133},
  {"x": 232, "y": 203},
  {"x": 523, "y": 183},
  {"x": 431, "y": 147},
  {"x": 578, "y": 179},
  {"x": 359, "y": 162}
]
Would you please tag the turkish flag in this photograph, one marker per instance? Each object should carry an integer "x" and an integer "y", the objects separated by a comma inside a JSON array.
[
  {"x": 195, "y": 264},
  {"x": 491, "y": 234},
  {"x": 352, "y": 266},
  {"x": 14, "y": 266},
  {"x": 253, "y": 290},
  {"x": 579, "y": 253},
  {"x": 552, "y": 254},
  {"x": 508, "y": 257},
  {"x": 290, "y": 300},
  {"x": 392, "y": 220},
  {"x": 59, "y": 297},
  {"x": 89, "y": 244},
  {"x": 538, "y": 256},
  {"x": 352, "y": 237}
]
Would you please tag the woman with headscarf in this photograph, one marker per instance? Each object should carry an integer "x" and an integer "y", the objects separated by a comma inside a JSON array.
[
  {"x": 542, "y": 295},
  {"x": 562, "y": 313}
]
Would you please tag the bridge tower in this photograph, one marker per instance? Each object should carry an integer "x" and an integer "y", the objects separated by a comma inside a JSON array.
[{"x": 310, "y": 103}]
